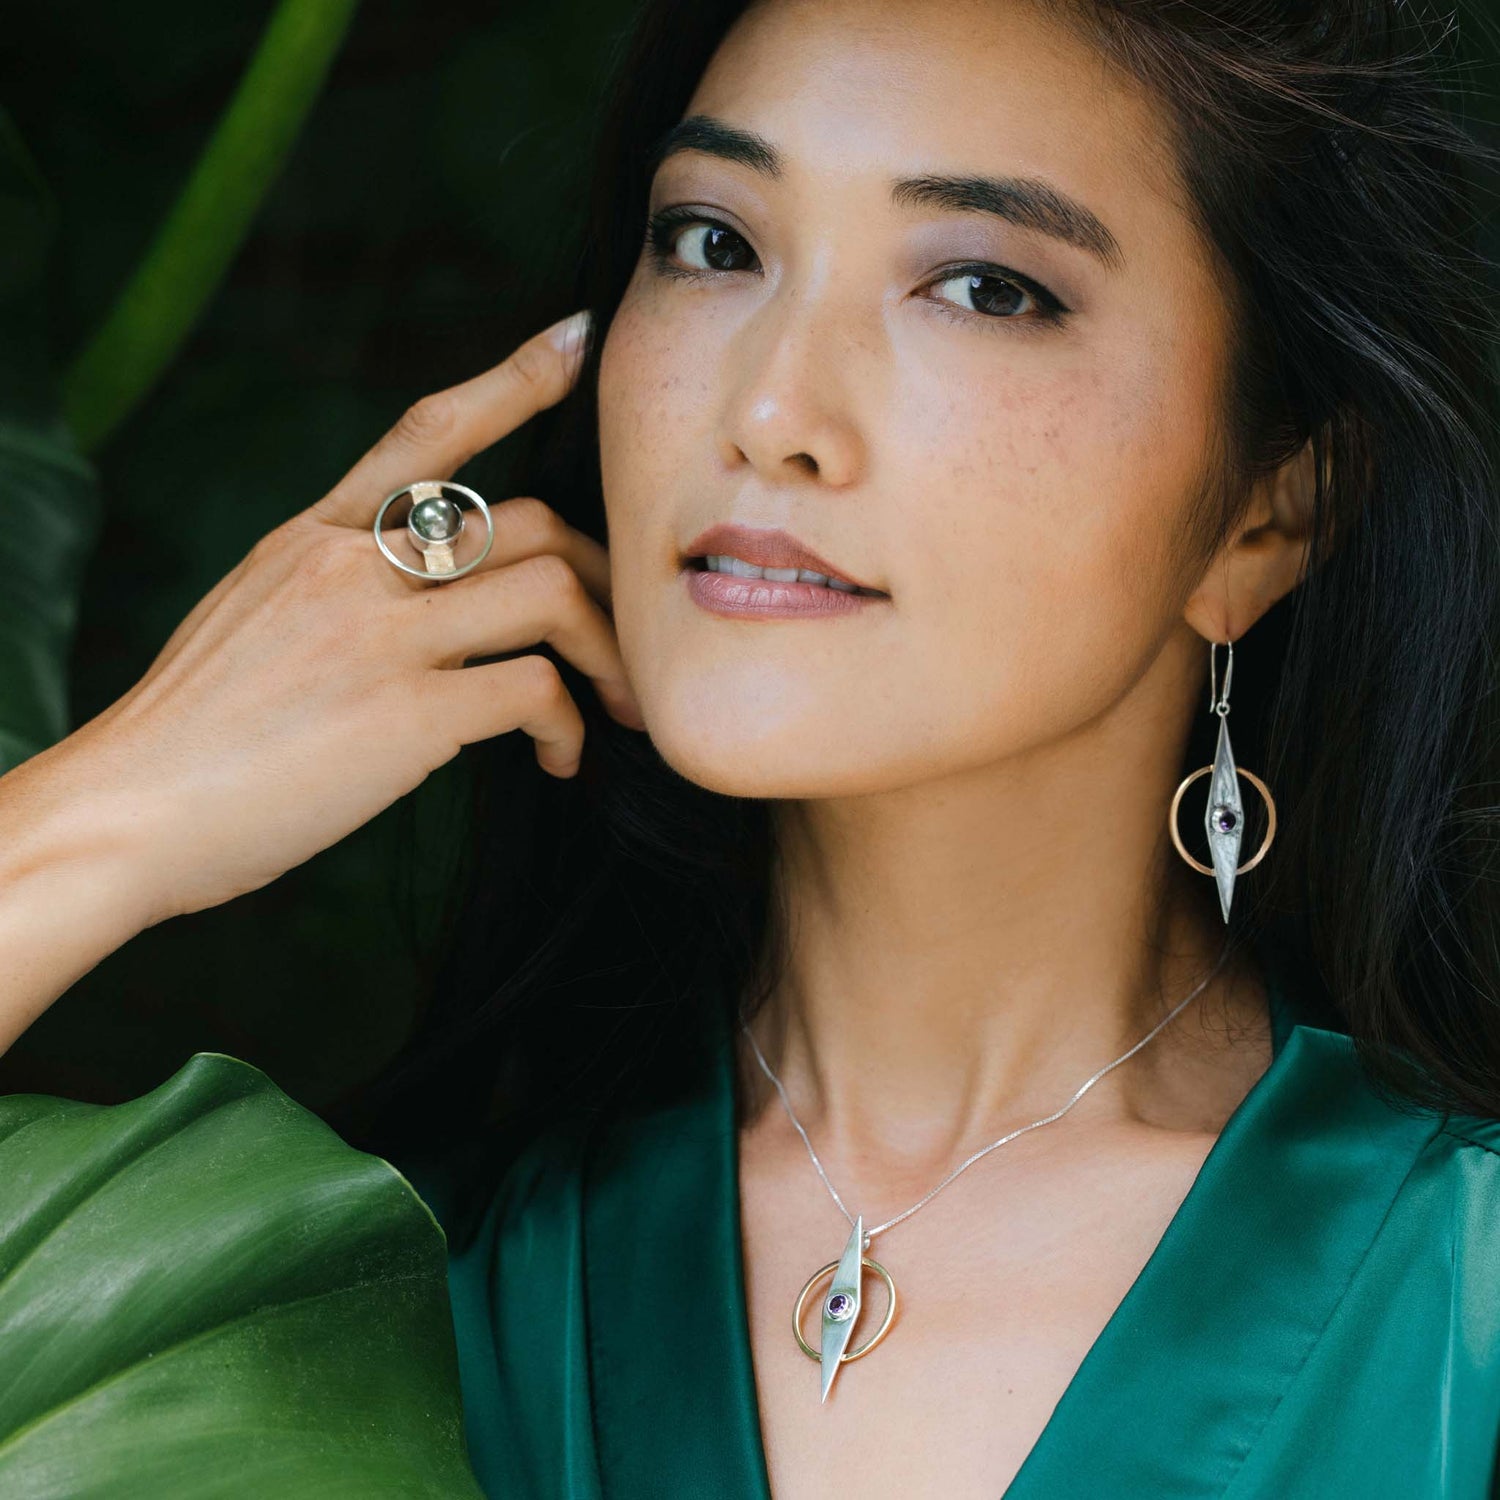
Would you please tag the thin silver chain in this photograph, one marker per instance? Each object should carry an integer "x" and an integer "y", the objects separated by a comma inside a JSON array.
[{"x": 984, "y": 1151}]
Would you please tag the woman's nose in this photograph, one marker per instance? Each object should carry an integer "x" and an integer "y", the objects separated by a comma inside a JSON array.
[{"x": 791, "y": 406}]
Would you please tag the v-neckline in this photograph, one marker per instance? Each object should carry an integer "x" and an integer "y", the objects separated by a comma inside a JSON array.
[
  {"x": 1022, "y": 1482},
  {"x": 1172, "y": 1391}
]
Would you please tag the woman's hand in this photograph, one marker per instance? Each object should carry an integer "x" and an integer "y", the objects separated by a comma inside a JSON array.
[{"x": 315, "y": 684}]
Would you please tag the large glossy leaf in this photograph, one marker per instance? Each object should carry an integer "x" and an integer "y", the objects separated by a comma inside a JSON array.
[{"x": 206, "y": 1292}]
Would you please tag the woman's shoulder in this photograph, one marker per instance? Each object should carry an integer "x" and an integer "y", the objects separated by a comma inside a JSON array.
[
  {"x": 1433, "y": 1175},
  {"x": 1332, "y": 1081},
  {"x": 1468, "y": 1134},
  {"x": 1442, "y": 1238},
  {"x": 1451, "y": 1197},
  {"x": 1465, "y": 1150}
]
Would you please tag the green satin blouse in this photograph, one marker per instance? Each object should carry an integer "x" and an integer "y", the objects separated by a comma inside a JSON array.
[{"x": 1320, "y": 1320}]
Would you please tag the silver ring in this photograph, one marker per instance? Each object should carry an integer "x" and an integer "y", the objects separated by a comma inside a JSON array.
[{"x": 433, "y": 526}]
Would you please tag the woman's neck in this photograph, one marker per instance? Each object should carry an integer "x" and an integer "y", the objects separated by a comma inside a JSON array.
[{"x": 963, "y": 957}]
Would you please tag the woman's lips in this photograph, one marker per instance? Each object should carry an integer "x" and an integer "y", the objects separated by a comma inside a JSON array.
[
  {"x": 765, "y": 547},
  {"x": 766, "y": 598}
]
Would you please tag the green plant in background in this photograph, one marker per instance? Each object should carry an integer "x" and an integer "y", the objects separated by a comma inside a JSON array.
[
  {"x": 48, "y": 491},
  {"x": 49, "y": 495},
  {"x": 204, "y": 1292},
  {"x": 394, "y": 206},
  {"x": 185, "y": 265}
]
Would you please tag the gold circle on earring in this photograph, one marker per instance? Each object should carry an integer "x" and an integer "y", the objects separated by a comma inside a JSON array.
[
  {"x": 1260, "y": 853},
  {"x": 874, "y": 1338}
]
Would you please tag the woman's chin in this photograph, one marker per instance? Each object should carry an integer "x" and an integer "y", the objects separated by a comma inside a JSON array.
[{"x": 729, "y": 754}]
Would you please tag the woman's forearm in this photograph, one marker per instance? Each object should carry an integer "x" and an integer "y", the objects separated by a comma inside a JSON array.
[{"x": 69, "y": 892}]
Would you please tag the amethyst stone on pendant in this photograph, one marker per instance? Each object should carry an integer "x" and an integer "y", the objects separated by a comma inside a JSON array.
[
  {"x": 840, "y": 1306},
  {"x": 1225, "y": 819}
]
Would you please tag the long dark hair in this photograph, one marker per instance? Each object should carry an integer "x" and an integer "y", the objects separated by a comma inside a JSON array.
[{"x": 1324, "y": 147}]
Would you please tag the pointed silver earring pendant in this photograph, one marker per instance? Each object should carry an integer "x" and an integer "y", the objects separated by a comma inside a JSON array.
[{"x": 1224, "y": 819}]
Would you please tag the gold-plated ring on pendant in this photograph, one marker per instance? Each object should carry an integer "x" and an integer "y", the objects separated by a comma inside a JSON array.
[
  {"x": 874, "y": 1338},
  {"x": 1260, "y": 853}
]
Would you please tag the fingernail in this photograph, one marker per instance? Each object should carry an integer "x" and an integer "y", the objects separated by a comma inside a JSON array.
[{"x": 567, "y": 334}]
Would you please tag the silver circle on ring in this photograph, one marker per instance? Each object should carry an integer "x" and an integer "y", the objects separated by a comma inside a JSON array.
[{"x": 446, "y": 484}]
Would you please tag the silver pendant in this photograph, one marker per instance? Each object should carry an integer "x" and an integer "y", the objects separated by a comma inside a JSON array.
[
  {"x": 841, "y": 1305},
  {"x": 1225, "y": 818}
]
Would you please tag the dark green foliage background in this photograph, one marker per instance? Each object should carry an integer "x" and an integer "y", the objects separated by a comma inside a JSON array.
[
  {"x": 432, "y": 187},
  {"x": 438, "y": 171}
]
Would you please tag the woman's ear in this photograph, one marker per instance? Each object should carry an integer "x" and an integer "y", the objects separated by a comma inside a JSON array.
[{"x": 1265, "y": 558}]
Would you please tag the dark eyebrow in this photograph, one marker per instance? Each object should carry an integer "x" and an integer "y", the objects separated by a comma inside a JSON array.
[{"x": 1028, "y": 202}]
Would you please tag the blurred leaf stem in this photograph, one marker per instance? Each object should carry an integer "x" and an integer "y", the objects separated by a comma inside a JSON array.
[{"x": 184, "y": 265}]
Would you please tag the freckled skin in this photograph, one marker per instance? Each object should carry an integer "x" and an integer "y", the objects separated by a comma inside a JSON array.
[
  {"x": 975, "y": 774},
  {"x": 1007, "y": 485}
]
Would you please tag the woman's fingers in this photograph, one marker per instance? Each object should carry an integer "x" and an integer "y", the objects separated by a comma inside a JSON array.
[
  {"x": 539, "y": 598},
  {"x": 315, "y": 684},
  {"x": 442, "y": 431},
  {"x": 525, "y": 693},
  {"x": 528, "y": 527}
]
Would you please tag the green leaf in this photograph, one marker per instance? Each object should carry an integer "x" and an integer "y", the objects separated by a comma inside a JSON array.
[
  {"x": 206, "y": 1292},
  {"x": 49, "y": 496},
  {"x": 200, "y": 237},
  {"x": 49, "y": 521},
  {"x": 28, "y": 211}
]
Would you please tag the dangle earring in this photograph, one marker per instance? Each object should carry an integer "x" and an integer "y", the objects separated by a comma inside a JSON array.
[{"x": 1225, "y": 818}]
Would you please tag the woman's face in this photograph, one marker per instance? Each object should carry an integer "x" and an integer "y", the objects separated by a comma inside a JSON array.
[{"x": 1000, "y": 427}]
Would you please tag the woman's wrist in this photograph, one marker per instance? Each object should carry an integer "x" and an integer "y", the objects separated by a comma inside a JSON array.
[{"x": 71, "y": 888}]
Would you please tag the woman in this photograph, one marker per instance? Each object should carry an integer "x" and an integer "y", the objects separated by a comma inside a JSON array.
[{"x": 1102, "y": 367}]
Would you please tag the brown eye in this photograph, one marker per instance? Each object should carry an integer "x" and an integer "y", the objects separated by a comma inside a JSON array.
[
  {"x": 721, "y": 248},
  {"x": 705, "y": 245},
  {"x": 992, "y": 295},
  {"x": 996, "y": 295}
]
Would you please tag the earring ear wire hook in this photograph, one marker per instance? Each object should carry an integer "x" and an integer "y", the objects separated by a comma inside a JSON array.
[{"x": 1215, "y": 702}]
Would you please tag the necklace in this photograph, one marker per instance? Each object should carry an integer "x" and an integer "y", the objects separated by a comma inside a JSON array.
[{"x": 841, "y": 1305}]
